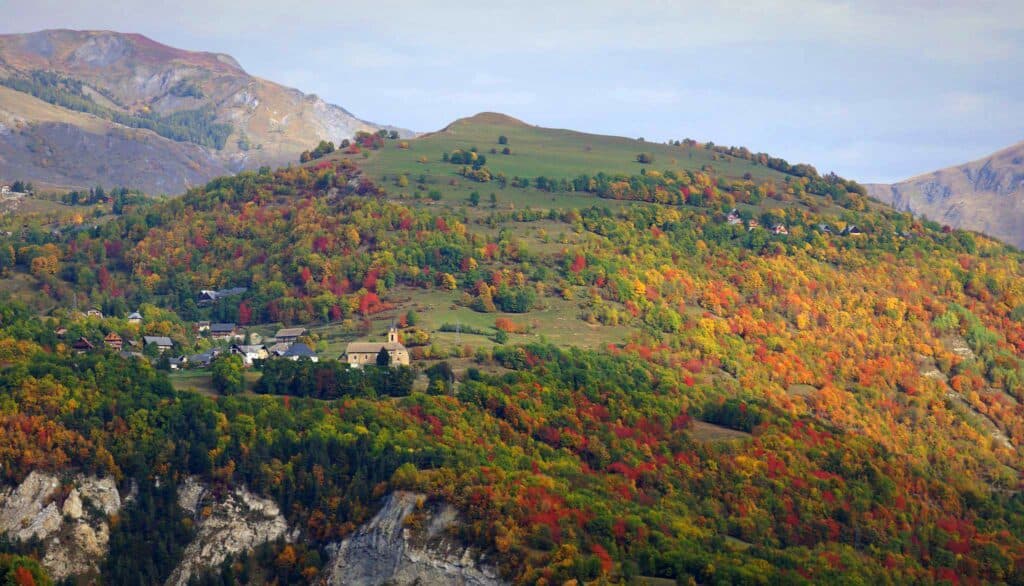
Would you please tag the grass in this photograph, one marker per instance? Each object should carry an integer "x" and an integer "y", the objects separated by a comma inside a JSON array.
[
  {"x": 536, "y": 151},
  {"x": 200, "y": 381},
  {"x": 709, "y": 432}
]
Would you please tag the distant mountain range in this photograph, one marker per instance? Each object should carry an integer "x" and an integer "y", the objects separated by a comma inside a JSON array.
[
  {"x": 986, "y": 195},
  {"x": 80, "y": 108}
]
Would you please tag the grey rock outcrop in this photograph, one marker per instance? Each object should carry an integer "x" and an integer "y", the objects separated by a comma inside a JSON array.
[
  {"x": 389, "y": 549},
  {"x": 75, "y": 534},
  {"x": 224, "y": 528}
]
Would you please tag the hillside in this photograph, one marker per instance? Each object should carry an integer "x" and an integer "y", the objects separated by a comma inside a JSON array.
[
  {"x": 986, "y": 195},
  {"x": 518, "y": 164},
  {"x": 627, "y": 381},
  {"x": 192, "y": 99},
  {"x": 65, "y": 149}
]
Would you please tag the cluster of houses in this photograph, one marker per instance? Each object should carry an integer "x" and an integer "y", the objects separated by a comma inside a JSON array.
[
  {"x": 734, "y": 219},
  {"x": 285, "y": 344}
]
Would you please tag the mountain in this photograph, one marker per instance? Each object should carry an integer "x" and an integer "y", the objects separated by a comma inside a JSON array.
[
  {"x": 81, "y": 99},
  {"x": 986, "y": 195}
]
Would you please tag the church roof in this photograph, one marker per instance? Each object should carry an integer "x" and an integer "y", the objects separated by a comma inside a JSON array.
[{"x": 362, "y": 347}]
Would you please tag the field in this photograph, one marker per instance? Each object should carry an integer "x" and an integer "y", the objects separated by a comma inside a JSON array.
[
  {"x": 535, "y": 151},
  {"x": 200, "y": 381}
]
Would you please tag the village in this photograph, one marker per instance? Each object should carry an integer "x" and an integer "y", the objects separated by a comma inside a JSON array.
[{"x": 130, "y": 338}]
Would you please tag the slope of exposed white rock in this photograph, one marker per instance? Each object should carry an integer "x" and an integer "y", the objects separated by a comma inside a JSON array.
[
  {"x": 75, "y": 531},
  {"x": 236, "y": 524},
  {"x": 390, "y": 549}
]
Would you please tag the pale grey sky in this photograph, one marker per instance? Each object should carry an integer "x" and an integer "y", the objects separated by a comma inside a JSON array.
[{"x": 874, "y": 90}]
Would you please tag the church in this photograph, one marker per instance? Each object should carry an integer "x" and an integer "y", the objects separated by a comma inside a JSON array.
[{"x": 359, "y": 353}]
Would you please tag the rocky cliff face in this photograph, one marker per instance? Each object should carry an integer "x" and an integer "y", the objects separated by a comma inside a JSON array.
[
  {"x": 68, "y": 516},
  {"x": 236, "y": 524},
  {"x": 408, "y": 543},
  {"x": 131, "y": 75},
  {"x": 986, "y": 195}
]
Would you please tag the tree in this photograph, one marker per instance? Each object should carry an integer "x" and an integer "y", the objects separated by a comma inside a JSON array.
[
  {"x": 645, "y": 158},
  {"x": 474, "y": 198},
  {"x": 228, "y": 375},
  {"x": 494, "y": 200},
  {"x": 383, "y": 357},
  {"x": 502, "y": 139}
]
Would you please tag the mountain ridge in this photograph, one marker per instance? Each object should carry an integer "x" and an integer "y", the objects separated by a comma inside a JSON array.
[
  {"x": 986, "y": 194},
  {"x": 199, "y": 98}
]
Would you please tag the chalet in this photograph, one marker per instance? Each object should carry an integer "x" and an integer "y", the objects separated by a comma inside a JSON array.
[
  {"x": 203, "y": 360},
  {"x": 207, "y": 296},
  {"x": 82, "y": 345},
  {"x": 226, "y": 331},
  {"x": 113, "y": 341},
  {"x": 781, "y": 230},
  {"x": 359, "y": 353},
  {"x": 825, "y": 228},
  {"x": 250, "y": 352},
  {"x": 135, "y": 318},
  {"x": 752, "y": 223},
  {"x": 163, "y": 343},
  {"x": 94, "y": 313},
  {"x": 289, "y": 335},
  {"x": 299, "y": 351},
  {"x": 178, "y": 362},
  {"x": 852, "y": 230},
  {"x": 734, "y": 218}
]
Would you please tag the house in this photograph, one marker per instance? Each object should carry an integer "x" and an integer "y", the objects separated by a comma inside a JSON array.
[
  {"x": 135, "y": 318},
  {"x": 852, "y": 230},
  {"x": 734, "y": 217},
  {"x": 113, "y": 341},
  {"x": 94, "y": 313},
  {"x": 5, "y": 189},
  {"x": 825, "y": 228},
  {"x": 163, "y": 343},
  {"x": 781, "y": 230},
  {"x": 203, "y": 360},
  {"x": 752, "y": 223},
  {"x": 289, "y": 335},
  {"x": 60, "y": 332},
  {"x": 250, "y": 352},
  {"x": 359, "y": 353},
  {"x": 207, "y": 296},
  {"x": 226, "y": 332},
  {"x": 178, "y": 362},
  {"x": 202, "y": 326},
  {"x": 300, "y": 350},
  {"x": 82, "y": 345}
]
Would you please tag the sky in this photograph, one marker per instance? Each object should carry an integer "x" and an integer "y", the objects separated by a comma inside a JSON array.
[{"x": 874, "y": 90}]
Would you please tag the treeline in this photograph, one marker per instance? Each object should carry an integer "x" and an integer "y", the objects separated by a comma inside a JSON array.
[
  {"x": 118, "y": 196},
  {"x": 197, "y": 126},
  {"x": 332, "y": 379}
]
